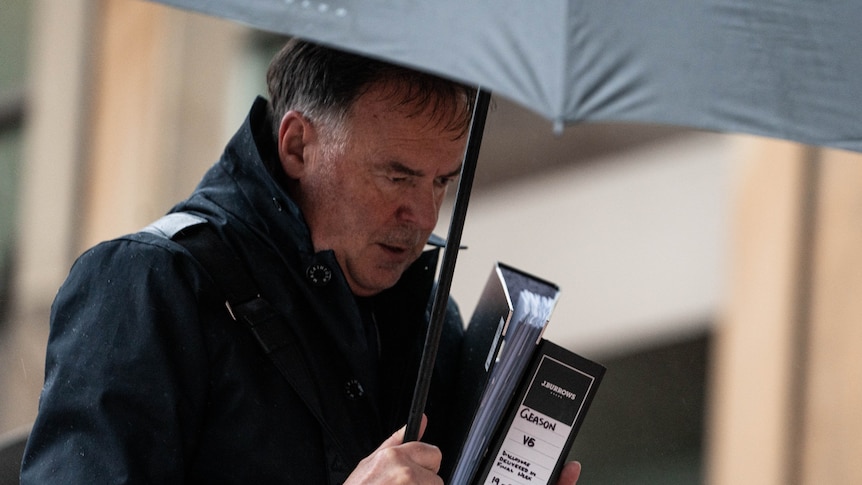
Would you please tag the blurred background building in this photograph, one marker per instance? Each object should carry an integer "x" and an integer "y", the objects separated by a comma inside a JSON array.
[{"x": 715, "y": 276}]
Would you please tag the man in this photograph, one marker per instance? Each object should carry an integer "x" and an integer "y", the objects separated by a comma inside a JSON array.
[{"x": 326, "y": 196}]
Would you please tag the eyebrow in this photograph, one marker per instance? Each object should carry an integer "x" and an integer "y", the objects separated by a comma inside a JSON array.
[
  {"x": 454, "y": 173},
  {"x": 404, "y": 169}
]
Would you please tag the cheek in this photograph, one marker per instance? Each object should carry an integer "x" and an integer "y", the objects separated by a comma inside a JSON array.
[
  {"x": 375, "y": 205},
  {"x": 355, "y": 218}
]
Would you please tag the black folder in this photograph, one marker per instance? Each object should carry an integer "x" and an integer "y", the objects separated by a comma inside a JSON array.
[
  {"x": 502, "y": 349},
  {"x": 532, "y": 442}
]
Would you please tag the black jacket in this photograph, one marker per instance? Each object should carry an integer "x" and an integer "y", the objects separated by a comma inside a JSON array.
[{"x": 148, "y": 380}]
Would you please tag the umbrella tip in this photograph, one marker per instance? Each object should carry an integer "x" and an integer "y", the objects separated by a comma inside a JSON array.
[{"x": 558, "y": 126}]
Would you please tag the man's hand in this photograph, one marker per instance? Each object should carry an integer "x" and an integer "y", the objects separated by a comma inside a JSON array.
[
  {"x": 396, "y": 462},
  {"x": 570, "y": 474}
]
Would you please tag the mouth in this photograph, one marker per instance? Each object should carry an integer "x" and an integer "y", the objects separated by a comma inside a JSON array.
[
  {"x": 394, "y": 250},
  {"x": 401, "y": 246}
]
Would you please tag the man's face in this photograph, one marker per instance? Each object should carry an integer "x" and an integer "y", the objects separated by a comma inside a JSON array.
[{"x": 375, "y": 199}]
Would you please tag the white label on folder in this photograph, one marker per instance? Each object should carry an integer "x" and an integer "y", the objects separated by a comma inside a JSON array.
[
  {"x": 530, "y": 450},
  {"x": 539, "y": 430}
]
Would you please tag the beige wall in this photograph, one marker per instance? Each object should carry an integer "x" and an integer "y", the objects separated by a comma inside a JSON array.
[
  {"x": 127, "y": 110},
  {"x": 161, "y": 86},
  {"x": 58, "y": 65},
  {"x": 786, "y": 394}
]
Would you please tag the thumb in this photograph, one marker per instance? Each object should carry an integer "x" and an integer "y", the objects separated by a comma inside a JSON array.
[
  {"x": 397, "y": 437},
  {"x": 570, "y": 474}
]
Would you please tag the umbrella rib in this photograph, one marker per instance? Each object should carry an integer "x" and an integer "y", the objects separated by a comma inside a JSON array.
[{"x": 447, "y": 268}]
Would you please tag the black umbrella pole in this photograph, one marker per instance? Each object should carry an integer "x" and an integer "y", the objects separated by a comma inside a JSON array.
[{"x": 447, "y": 268}]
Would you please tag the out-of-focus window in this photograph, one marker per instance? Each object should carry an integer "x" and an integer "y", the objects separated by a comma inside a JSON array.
[{"x": 13, "y": 73}]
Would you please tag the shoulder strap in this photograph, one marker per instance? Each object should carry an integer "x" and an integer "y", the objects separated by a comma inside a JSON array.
[
  {"x": 242, "y": 299},
  {"x": 244, "y": 303}
]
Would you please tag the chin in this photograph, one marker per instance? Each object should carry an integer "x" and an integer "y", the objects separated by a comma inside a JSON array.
[
  {"x": 369, "y": 286},
  {"x": 385, "y": 282}
]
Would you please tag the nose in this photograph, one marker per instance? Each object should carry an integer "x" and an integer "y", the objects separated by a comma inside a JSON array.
[{"x": 421, "y": 208}]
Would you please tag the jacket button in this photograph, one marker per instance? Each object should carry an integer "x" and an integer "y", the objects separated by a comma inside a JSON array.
[
  {"x": 354, "y": 390},
  {"x": 318, "y": 274}
]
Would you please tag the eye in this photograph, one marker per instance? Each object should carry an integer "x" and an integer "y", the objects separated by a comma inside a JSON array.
[{"x": 445, "y": 181}]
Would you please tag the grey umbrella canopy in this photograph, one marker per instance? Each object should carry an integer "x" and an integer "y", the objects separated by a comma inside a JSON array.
[{"x": 780, "y": 68}]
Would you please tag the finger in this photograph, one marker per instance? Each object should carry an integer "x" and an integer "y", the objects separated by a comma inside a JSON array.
[
  {"x": 570, "y": 474},
  {"x": 425, "y": 455},
  {"x": 397, "y": 437}
]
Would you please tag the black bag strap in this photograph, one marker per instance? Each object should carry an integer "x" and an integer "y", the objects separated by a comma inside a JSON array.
[
  {"x": 244, "y": 303},
  {"x": 242, "y": 299}
]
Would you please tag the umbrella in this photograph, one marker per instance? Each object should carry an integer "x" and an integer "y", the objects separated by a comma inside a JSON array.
[{"x": 779, "y": 68}]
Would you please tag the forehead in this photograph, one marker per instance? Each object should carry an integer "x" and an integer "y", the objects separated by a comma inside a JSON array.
[
  {"x": 382, "y": 131},
  {"x": 435, "y": 106}
]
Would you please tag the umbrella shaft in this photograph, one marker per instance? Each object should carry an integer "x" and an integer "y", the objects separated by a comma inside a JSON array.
[{"x": 447, "y": 269}]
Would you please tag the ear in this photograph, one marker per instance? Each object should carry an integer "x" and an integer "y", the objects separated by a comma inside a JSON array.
[{"x": 295, "y": 133}]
